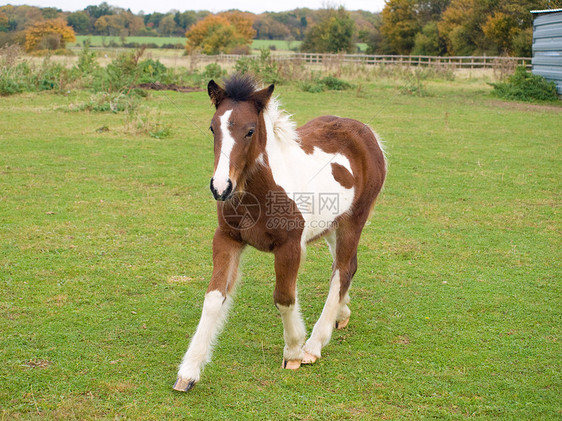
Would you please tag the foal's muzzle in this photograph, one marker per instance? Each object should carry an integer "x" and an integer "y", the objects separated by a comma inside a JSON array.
[{"x": 225, "y": 195}]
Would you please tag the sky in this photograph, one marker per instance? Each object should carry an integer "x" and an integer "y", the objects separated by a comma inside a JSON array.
[{"x": 255, "y": 6}]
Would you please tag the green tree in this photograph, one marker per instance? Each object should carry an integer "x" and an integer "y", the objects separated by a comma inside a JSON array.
[
  {"x": 152, "y": 20},
  {"x": 268, "y": 28},
  {"x": 80, "y": 22},
  {"x": 296, "y": 21},
  {"x": 333, "y": 34},
  {"x": 490, "y": 26},
  {"x": 428, "y": 42},
  {"x": 522, "y": 43},
  {"x": 431, "y": 10},
  {"x": 50, "y": 12},
  {"x": 461, "y": 26},
  {"x": 97, "y": 12},
  {"x": 185, "y": 20},
  {"x": 167, "y": 25},
  {"x": 400, "y": 25}
]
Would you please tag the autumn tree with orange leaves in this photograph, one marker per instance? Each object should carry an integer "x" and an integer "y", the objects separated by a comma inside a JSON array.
[
  {"x": 49, "y": 35},
  {"x": 222, "y": 33}
]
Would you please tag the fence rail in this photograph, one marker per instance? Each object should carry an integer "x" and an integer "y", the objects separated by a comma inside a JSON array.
[{"x": 458, "y": 62}]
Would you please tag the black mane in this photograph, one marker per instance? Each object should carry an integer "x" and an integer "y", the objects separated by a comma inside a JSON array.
[{"x": 239, "y": 87}]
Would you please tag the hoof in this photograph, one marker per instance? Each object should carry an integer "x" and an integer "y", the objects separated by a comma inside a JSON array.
[
  {"x": 342, "y": 323},
  {"x": 309, "y": 358},
  {"x": 291, "y": 364},
  {"x": 183, "y": 385}
]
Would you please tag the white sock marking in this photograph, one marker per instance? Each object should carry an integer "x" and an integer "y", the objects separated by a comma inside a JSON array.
[
  {"x": 215, "y": 310},
  {"x": 322, "y": 331},
  {"x": 294, "y": 331}
]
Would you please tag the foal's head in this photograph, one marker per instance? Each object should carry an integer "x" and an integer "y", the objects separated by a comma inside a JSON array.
[{"x": 239, "y": 130}]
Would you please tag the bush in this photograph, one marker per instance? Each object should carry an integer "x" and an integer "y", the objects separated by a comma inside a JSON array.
[
  {"x": 177, "y": 46},
  {"x": 263, "y": 67},
  {"x": 152, "y": 71},
  {"x": 334, "y": 84},
  {"x": 126, "y": 71},
  {"x": 213, "y": 71},
  {"x": 109, "y": 102},
  {"x": 525, "y": 86},
  {"x": 21, "y": 76},
  {"x": 328, "y": 83},
  {"x": 87, "y": 63},
  {"x": 130, "y": 45}
]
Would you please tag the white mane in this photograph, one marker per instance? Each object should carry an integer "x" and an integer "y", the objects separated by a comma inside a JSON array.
[{"x": 284, "y": 127}]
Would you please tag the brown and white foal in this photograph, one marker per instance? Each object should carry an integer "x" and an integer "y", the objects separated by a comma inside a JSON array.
[{"x": 277, "y": 189}]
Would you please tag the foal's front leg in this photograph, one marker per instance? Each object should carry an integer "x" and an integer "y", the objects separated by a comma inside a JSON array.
[
  {"x": 287, "y": 261},
  {"x": 226, "y": 256}
]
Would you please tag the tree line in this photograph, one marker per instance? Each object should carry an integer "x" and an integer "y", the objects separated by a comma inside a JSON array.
[{"x": 422, "y": 27}]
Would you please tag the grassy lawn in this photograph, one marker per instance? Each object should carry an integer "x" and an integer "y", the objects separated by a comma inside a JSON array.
[
  {"x": 105, "y": 257},
  {"x": 98, "y": 41}
]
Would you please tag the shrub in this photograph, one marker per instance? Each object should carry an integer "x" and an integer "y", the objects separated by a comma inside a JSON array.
[
  {"x": 213, "y": 71},
  {"x": 130, "y": 45},
  {"x": 525, "y": 86},
  {"x": 334, "y": 84},
  {"x": 138, "y": 122},
  {"x": 263, "y": 67},
  {"x": 123, "y": 73},
  {"x": 177, "y": 46},
  {"x": 51, "y": 76},
  {"x": 328, "y": 83},
  {"x": 87, "y": 63},
  {"x": 109, "y": 102},
  {"x": 152, "y": 71},
  {"x": 17, "y": 77}
]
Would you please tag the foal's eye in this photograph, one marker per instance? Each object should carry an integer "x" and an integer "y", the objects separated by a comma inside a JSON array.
[{"x": 250, "y": 133}]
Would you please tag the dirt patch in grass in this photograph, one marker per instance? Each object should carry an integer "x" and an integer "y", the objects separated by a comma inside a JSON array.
[
  {"x": 520, "y": 106},
  {"x": 157, "y": 86},
  {"x": 38, "y": 363}
]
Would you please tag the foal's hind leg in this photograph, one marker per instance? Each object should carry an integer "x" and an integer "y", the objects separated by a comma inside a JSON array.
[
  {"x": 342, "y": 319},
  {"x": 336, "y": 309},
  {"x": 226, "y": 256}
]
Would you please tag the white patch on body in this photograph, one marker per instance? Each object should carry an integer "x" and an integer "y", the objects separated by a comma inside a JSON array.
[
  {"x": 222, "y": 173},
  {"x": 306, "y": 178}
]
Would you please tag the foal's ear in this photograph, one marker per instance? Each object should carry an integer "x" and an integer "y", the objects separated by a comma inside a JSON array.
[
  {"x": 216, "y": 93},
  {"x": 261, "y": 98}
]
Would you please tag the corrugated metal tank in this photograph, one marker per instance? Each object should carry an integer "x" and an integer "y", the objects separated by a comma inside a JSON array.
[{"x": 547, "y": 45}]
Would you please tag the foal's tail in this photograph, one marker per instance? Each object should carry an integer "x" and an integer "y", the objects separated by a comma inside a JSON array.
[{"x": 379, "y": 170}]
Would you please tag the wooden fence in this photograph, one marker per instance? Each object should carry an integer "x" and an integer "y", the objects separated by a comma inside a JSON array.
[{"x": 454, "y": 62}]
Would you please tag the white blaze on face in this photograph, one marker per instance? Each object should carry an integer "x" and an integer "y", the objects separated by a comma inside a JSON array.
[{"x": 222, "y": 173}]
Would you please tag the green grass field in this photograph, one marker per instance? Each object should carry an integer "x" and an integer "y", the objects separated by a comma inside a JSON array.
[
  {"x": 105, "y": 256},
  {"x": 98, "y": 41}
]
